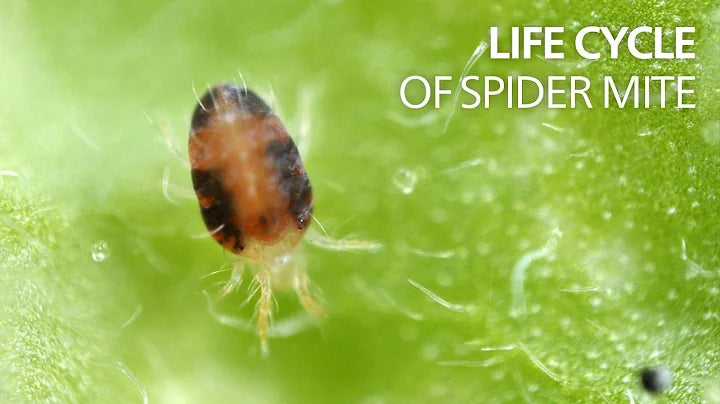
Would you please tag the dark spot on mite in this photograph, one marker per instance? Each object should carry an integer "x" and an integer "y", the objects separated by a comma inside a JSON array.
[
  {"x": 203, "y": 111},
  {"x": 242, "y": 100},
  {"x": 284, "y": 153},
  {"x": 301, "y": 204},
  {"x": 655, "y": 380},
  {"x": 238, "y": 246},
  {"x": 208, "y": 184},
  {"x": 293, "y": 180},
  {"x": 245, "y": 100}
]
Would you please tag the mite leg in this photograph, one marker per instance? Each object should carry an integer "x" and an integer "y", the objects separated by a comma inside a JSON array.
[
  {"x": 300, "y": 283},
  {"x": 264, "y": 308},
  {"x": 233, "y": 283},
  {"x": 323, "y": 241}
]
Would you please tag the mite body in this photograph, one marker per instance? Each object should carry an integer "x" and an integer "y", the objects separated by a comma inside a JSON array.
[{"x": 254, "y": 194}]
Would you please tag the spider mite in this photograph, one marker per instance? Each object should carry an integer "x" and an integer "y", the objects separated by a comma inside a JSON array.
[{"x": 255, "y": 196}]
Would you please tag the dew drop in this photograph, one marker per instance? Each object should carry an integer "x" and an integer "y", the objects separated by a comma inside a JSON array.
[
  {"x": 404, "y": 180},
  {"x": 100, "y": 251}
]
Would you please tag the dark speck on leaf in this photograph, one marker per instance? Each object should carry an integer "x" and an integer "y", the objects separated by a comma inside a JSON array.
[{"x": 656, "y": 380}]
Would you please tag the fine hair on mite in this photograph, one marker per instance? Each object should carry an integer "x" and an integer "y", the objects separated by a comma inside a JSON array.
[{"x": 255, "y": 196}]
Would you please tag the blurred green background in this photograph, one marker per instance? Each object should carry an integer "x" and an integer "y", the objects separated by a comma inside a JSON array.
[{"x": 103, "y": 275}]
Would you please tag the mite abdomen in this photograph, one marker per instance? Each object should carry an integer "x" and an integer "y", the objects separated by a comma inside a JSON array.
[{"x": 255, "y": 196}]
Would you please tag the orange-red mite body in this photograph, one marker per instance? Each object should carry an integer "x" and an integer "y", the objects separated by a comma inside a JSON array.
[{"x": 255, "y": 196}]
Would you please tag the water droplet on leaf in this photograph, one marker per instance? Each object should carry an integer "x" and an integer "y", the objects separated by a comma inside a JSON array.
[
  {"x": 100, "y": 251},
  {"x": 404, "y": 180}
]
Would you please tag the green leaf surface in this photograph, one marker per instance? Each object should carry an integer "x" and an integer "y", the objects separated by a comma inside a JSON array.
[{"x": 530, "y": 255}]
